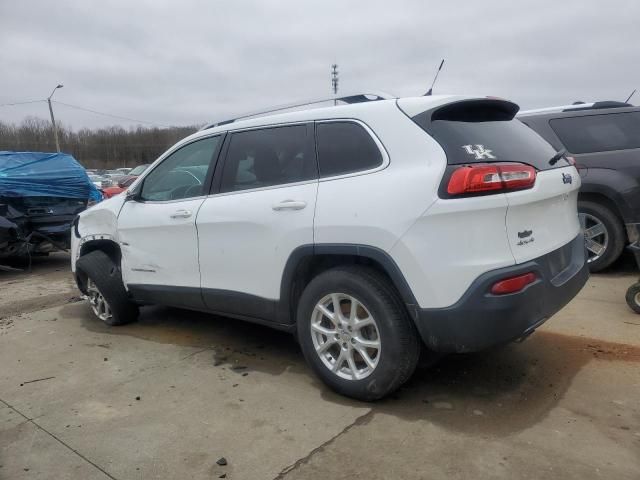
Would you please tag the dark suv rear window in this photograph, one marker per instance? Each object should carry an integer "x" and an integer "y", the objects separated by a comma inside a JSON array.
[
  {"x": 599, "y": 133},
  {"x": 476, "y": 131}
]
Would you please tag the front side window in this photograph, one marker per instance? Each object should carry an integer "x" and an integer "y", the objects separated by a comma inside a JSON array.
[
  {"x": 599, "y": 133},
  {"x": 182, "y": 174},
  {"x": 267, "y": 157},
  {"x": 345, "y": 147}
]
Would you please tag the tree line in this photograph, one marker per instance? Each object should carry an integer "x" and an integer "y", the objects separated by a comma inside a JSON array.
[{"x": 108, "y": 147}]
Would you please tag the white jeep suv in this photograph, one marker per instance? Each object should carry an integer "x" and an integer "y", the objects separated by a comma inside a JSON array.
[{"x": 371, "y": 229}]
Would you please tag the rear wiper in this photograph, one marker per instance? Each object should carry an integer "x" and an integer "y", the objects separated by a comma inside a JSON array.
[{"x": 558, "y": 156}]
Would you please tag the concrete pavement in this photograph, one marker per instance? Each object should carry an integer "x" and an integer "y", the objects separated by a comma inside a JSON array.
[{"x": 170, "y": 395}]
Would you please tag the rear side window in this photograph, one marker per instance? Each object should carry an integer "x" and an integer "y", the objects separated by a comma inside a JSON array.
[
  {"x": 345, "y": 147},
  {"x": 267, "y": 157},
  {"x": 599, "y": 133},
  {"x": 480, "y": 131}
]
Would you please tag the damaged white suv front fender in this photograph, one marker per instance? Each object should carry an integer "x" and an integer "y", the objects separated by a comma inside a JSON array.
[{"x": 100, "y": 222}]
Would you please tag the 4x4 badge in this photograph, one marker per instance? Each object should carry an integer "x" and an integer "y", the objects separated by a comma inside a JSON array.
[
  {"x": 479, "y": 151},
  {"x": 567, "y": 178}
]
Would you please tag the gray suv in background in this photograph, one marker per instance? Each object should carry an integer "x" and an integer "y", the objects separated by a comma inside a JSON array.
[{"x": 604, "y": 139}]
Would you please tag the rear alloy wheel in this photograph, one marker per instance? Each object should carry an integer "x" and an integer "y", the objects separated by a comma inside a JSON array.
[
  {"x": 355, "y": 332},
  {"x": 604, "y": 234},
  {"x": 345, "y": 336}
]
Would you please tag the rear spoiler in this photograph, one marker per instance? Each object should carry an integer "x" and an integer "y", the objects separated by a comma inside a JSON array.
[{"x": 480, "y": 110}]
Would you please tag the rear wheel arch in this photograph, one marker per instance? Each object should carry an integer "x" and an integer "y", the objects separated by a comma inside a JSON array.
[{"x": 308, "y": 261}]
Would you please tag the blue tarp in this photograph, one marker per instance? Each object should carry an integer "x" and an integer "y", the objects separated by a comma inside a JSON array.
[{"x": 37, "y": 174}]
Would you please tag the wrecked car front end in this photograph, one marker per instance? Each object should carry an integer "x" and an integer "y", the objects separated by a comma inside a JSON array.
[{"x": 40, "y": 195}]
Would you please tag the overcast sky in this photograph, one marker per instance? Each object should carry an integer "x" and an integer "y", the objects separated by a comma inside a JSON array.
[{"x": 188, "y": 62}]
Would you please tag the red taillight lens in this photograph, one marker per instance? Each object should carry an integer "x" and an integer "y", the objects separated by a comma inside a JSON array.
[
  {"x": 485, "y": 177},
  {"x": 513, "y": 284}
]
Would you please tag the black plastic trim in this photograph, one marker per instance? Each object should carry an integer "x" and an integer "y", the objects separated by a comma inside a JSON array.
[
  {"x": 228, "y": 303},
  {"x": 480, "y": 320},
  {"x": 239, "y": 303},
  {"x": 277, "y": 313},
  {"x": 300, "y": 254},
  {"x": 169, "y": 295}
]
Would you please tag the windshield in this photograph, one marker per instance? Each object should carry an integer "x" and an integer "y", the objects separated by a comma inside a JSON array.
[{"x": 138, "y": 170}]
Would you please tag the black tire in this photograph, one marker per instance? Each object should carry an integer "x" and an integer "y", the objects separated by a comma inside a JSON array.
[
  {"x": 107, "y": 277},
  {"x": 633, "y": 297},
  {"x": 399, "y": 340},
  {"x": 615, "y": 232}
]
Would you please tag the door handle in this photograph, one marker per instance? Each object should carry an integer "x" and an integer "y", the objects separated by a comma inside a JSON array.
[
  {"x": 181, "y": 214},
  {"x": 289, "y": 205}
]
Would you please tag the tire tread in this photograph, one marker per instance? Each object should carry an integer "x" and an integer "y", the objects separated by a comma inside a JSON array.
[
  {"x": 399, "y": 322},
  {"x": 98, "y": 266}
]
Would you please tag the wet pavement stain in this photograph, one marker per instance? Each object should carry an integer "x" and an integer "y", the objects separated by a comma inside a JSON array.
[
  {"x": 498, "y": 392},
  {"x": 229, "y": 344}
]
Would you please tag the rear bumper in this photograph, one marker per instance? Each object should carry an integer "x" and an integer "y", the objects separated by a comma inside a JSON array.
[{"x": 480, "y": 320}]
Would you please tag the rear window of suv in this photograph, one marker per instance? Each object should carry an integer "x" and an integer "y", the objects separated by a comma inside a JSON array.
[
  {"x": 599, "y": 133},
  {"x": 478, "y": 131}
]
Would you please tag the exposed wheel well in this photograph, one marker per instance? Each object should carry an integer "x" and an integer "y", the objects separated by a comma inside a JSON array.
[
  {"x": 111, "y": 248},
  {"x": 312, "y": 265}
]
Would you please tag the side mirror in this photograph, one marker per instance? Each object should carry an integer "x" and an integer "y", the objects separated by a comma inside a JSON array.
[{"x": 132, "y": 195}]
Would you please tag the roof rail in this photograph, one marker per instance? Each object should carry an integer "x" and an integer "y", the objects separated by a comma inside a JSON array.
[
  {"x": 596, "y": 105},
  {"x": 576, "y": 107},
  {"x": 351, "y": 98}
]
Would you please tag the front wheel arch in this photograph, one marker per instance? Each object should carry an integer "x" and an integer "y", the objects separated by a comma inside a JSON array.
[{"x": 107, "y": 246}]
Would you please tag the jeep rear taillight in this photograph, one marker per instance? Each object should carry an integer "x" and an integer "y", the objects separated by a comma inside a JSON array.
[{"x": 487, "y": 177}]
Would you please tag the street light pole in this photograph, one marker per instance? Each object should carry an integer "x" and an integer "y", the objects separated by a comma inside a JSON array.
[{"x": 53, "y": 120}]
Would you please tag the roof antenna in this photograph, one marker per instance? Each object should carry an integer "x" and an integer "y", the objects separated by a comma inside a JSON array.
[
  {"x": 430, "y": 92},
  {"x": 629, "y": 97}
]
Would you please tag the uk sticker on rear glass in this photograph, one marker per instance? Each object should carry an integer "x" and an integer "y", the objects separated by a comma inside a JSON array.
[{"x": 478, "y": 151}]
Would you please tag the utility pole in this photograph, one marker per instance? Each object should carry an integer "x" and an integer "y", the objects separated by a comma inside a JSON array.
[
  {"x": 53, "y": 121},
  {"x": 334, "y": 80}
]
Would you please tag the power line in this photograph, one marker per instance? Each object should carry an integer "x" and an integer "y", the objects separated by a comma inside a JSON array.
[
  {"x": 108, "y": 114},
  {"x": 20, "y": 103},
  {"x": 77, "y": 107}
]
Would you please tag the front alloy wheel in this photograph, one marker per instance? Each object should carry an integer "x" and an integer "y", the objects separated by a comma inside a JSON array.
[
  {"x": 345, "y": 336},
  {"x": 98, "y": 303}
]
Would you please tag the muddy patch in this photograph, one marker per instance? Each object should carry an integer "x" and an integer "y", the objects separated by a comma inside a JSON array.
[
  {"x": 37, "y": 303},
  {"x": 495, "y": 393},
  {"x": 47, "y": 283},
  {"x": 228, "y": 344},
  {"x": 498, "y": 392}
]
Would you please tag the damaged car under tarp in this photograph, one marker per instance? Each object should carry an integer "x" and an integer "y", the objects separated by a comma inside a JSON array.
[{"x": 40, "y": 195}]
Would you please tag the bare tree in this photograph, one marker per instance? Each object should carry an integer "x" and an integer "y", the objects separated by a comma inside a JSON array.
[{"x": 108, "y": 147}]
